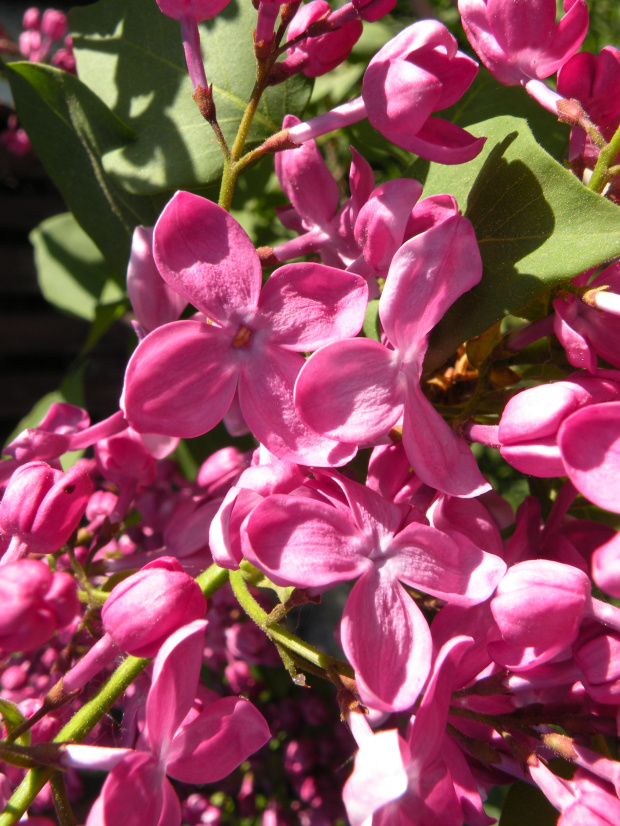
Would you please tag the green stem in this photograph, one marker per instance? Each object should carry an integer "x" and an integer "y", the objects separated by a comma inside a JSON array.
[
  {"x": 81, "y": 724},
  {"x": 63, "y": 808},
  {"x": 87, "y": 717},
  {"x": 281, "y": 635},
  {"x": 212, "y": 580},
  {"x": 607, "y": 156}
]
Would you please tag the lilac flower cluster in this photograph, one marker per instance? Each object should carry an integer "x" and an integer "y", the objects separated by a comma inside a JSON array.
[{"x": 474, "y": 648}]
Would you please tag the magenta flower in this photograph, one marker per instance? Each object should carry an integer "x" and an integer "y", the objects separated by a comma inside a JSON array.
[
  {"x": 530, "y": 424},
  {"x": 34, "y": 604},
  {"x": 182, "y": 378},
  {"x": 42, "y": 507},
  {"x": 191, "y": 741},
  {"x": 140, "y": 614},
  {"x": 584, "y": 327},
  {"x": 153, "y": 301},
  {"x": 315, "y": 56},
  {"x": 520, "y": 41},
  {"x": 423, "y": 780},
  {"x": 352, "y": 532},
  {"x": 357, "y": 390},
  {"x": 417, "y": 73}
]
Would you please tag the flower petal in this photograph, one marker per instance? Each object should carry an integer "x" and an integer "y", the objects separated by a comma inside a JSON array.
[
  {"x": 427, "y": 275},
  {"x": 180, "y": 380},
  {"x": 302, "y": 542},
  {"x": 456, "y": 571},
  {"x": 589, "y": 441},
  {"x": 176, "y": 671},
  {"x": 379, "y": 776},
  {"x": 207, "y": 256},
  {"x": 308, "y": 305},
  {"x": 387, "y": 641},
  {"x": 351, "y": 390},
  {"x": 215, "y": 742},
  {"x": 441, "y": 458},
  {"x": 266, "y": 399}
]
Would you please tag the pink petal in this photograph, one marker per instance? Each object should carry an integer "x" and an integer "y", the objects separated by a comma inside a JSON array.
[
  {"x": 206, "y": 256},
  {"x": 566, "y": 39},
  {"x": 133, "y": 793},
  {"x": 379, "y": 776},
  {"x": 215, "y": 742},
  {"x": 399, "y": 96},
  {"x": 441, "y": 458},
  {"x": 440, "y": 141},
  {"x": 589, "y": 441},
  {"x": 380, "y": 226},
  {"x": 526, "y": 25},
  {"x": 180, "y": 380},
  {"x": 306, "y": 181},
  {"x": 266, "y": 398},
  {"x": 176, "y": 671},
  {"x": 387, "y": 641},
  {"x": 352, "y": 390},
  {"x": 302, "y": 542},
  {"x": 361, "y": 182},
  {"x": 308, "y": 305},
  {"x": 426, "y": 277},
  {"x": 428, "y": 727},
  {"x": 433, "y": 562}
]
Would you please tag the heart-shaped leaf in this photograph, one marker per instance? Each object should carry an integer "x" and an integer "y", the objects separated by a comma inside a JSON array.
[
  {"x": 537, "y": 227},
  {"x": 131, "y": 55}
]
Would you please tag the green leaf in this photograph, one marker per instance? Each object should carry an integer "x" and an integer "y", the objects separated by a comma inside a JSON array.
[
  {"x": 70, "y": 128},
  {"x": 13, "y": 718},
  {"x": 131, "y": 55},
  {"x": 486, "y": 98},
  {"x": 537, "y": 227},
  {"x": 72, "y": 274}
]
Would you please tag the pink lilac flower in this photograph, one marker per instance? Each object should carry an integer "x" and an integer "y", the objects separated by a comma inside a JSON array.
[
  {"x": 583, "y": 325},
  {"x": 356, "y": 390},
  {"x": 34, "y": 604},
  {"x": 153, "y": 301},
  {"x": 41, "y": 508},
  {"x": 315, "y": 56},
  {"x": 423, "y": 780},
  {"x": 182, "y": 378},
  {"x": 351, "y": 532},
  {"x": 520, "y": 43},
  {"x": 193, "y": 741},
  {"x": 418, "y": 72},
  {"x": 530, "y": 425},
  {"x": 140, "y": 614},
  {"x": 593, "y": 80}
]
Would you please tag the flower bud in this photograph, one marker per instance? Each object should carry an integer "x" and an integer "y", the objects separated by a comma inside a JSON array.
[
  {"x": 32, "y": 18},
  {"x": 43, "y": 506},
  {"x": 54, "y": 24},
  {"x": 315, "y": 56},
  {"x": 198, "y": 10},
  {"x": 147, "y": 607},
  {"x": 34, "y": 604},
  {"x": 541, "y": 603},
  {"x": 599, "y": 662}
]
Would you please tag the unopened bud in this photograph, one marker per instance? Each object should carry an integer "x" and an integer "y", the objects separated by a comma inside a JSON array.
[{"x": 204, "y": 101}]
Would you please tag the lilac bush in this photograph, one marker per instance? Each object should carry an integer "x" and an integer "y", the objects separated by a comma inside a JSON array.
[{"x": 387, "y": 590}]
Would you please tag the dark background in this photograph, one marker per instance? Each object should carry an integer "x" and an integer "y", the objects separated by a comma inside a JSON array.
[{"x": 38, "y": 344}]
